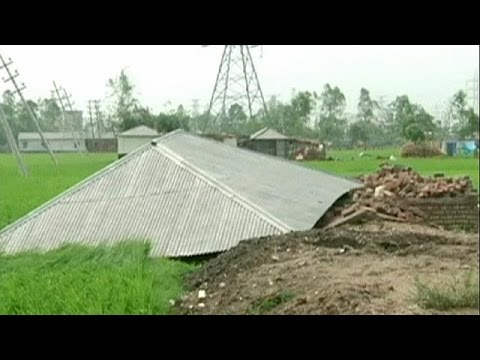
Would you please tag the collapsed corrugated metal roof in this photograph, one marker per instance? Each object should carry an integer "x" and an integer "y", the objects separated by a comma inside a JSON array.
[{"x": 187, "y": 195}]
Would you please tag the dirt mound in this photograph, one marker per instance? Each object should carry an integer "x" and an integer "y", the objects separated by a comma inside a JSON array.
[{"x": 368, "y": 269}]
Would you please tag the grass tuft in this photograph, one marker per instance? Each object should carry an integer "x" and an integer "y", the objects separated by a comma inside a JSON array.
[
  {"x": 267, "y": 304},
  {"x": 459, "y": 293}
]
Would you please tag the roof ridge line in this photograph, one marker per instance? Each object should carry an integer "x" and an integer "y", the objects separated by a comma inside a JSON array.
[
  {"x": 71, "y": 190},
  {"x": 274, "y": 158},
  {"x": 263, "y": 214},
  {"x": 259, "y": 132}
]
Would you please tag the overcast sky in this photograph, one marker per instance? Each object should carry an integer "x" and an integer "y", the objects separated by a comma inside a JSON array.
[{"x": 429, "y": 75}]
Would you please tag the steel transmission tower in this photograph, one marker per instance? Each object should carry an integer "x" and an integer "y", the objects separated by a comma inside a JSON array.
[
  {"x": 236, "y": 83},
  {"x": 472, "y": 91}
]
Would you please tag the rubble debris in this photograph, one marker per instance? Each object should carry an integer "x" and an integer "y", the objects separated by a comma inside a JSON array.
[{"x": 382, "y": 194}]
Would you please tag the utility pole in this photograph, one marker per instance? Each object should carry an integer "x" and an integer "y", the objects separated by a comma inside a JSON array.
[
  {"x": 33, "y": 116},
  {"x": 195, "y": 114},
  {"x": 90, "y": 102},
  {"x": 195, "y": 107},
  {"x": 65, "y": 123},
  {"x": 98, "y": 118},
  {"x": 11, "y": 142}
]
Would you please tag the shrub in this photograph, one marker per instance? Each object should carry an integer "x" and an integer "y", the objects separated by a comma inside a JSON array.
[
  {"x": 421, "y": 150},
  {"x": 457, "y": 294}
]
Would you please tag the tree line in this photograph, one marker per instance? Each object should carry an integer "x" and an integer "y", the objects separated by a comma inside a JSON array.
[{"x": 307, "y": 114}]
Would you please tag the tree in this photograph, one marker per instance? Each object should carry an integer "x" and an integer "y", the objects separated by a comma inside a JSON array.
[
  {"x": 458, "y": 107},
  {"x": 471, "y": 126},
  {"x": 124, "y": 102},
  {"x": 303, "y": 104},
  {"x": 358, "y": 133},
  {"x": 466, "y": 120},
  {"x": 331, "y": 123},
  {"x": 234, "y": 119},
  {"x": 51, "y": 116},
  {"x": 365, "y": 106},
  {"x": 412, "y": 121}
]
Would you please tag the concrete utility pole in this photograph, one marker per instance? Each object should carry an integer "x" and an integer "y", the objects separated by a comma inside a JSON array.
[
  {"x": 65, "y": 125},
  {"x": 31, "y": 113},
  {"x": 90, "y": 102},
  {"x": 98, "y": 118},
  {"x": 70, "y": 106},
  {"x": 11, "y": 142},
  {"x": 195, "y": 113}
]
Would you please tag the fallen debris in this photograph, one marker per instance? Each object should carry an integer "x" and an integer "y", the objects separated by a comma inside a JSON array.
[{"x": 384, "y": 191}]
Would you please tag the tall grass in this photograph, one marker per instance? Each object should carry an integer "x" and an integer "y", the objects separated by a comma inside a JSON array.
[{"x": 82, "y": 280}]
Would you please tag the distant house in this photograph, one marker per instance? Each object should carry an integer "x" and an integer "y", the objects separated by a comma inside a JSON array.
[
  {"x": 132, "y": 139},
  {"x": 103, "y": 143},
  {"x": 271, "y": 142},
  {"x": 58, "y": 142},
  {"x": 460, "y": 147}
]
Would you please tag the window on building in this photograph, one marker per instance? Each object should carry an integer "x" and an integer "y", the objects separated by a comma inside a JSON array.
[{"x": 25, "y": 144}]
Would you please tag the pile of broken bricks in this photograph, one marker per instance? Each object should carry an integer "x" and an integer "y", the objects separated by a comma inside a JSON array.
[{"x": 383, "y": 195}]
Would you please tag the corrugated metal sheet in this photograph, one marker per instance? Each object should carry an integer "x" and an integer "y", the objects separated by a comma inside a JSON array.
[
  {"x": 187, "y": 196},
  {"x": 294, "y": 194},
  {"x": 151, "y": 195}
]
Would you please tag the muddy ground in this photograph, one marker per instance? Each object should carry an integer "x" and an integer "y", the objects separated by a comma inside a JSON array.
[{"x": 354, "y": 269}]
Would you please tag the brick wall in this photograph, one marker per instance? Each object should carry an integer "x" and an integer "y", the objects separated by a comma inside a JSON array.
[{"x": 458, "y": 212}]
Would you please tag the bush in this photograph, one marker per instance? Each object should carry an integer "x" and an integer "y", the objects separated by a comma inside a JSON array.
[{"x": 421, "y": 150}]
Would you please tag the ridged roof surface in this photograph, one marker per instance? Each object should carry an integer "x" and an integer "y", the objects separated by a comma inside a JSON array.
[{"x": 187, "y": 195}]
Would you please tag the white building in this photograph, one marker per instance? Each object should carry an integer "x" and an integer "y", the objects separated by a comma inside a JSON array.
[
  {"x": 58, "y": 142},
  {"x": 132, "y": 139}
]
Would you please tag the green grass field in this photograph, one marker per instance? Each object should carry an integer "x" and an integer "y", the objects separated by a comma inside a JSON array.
[
  {"x": 19, "y": 195},
  {"x": 121, "y": 280},
  {"x": 80, "y": 280},
  {"x": 348, "y": 163}
]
